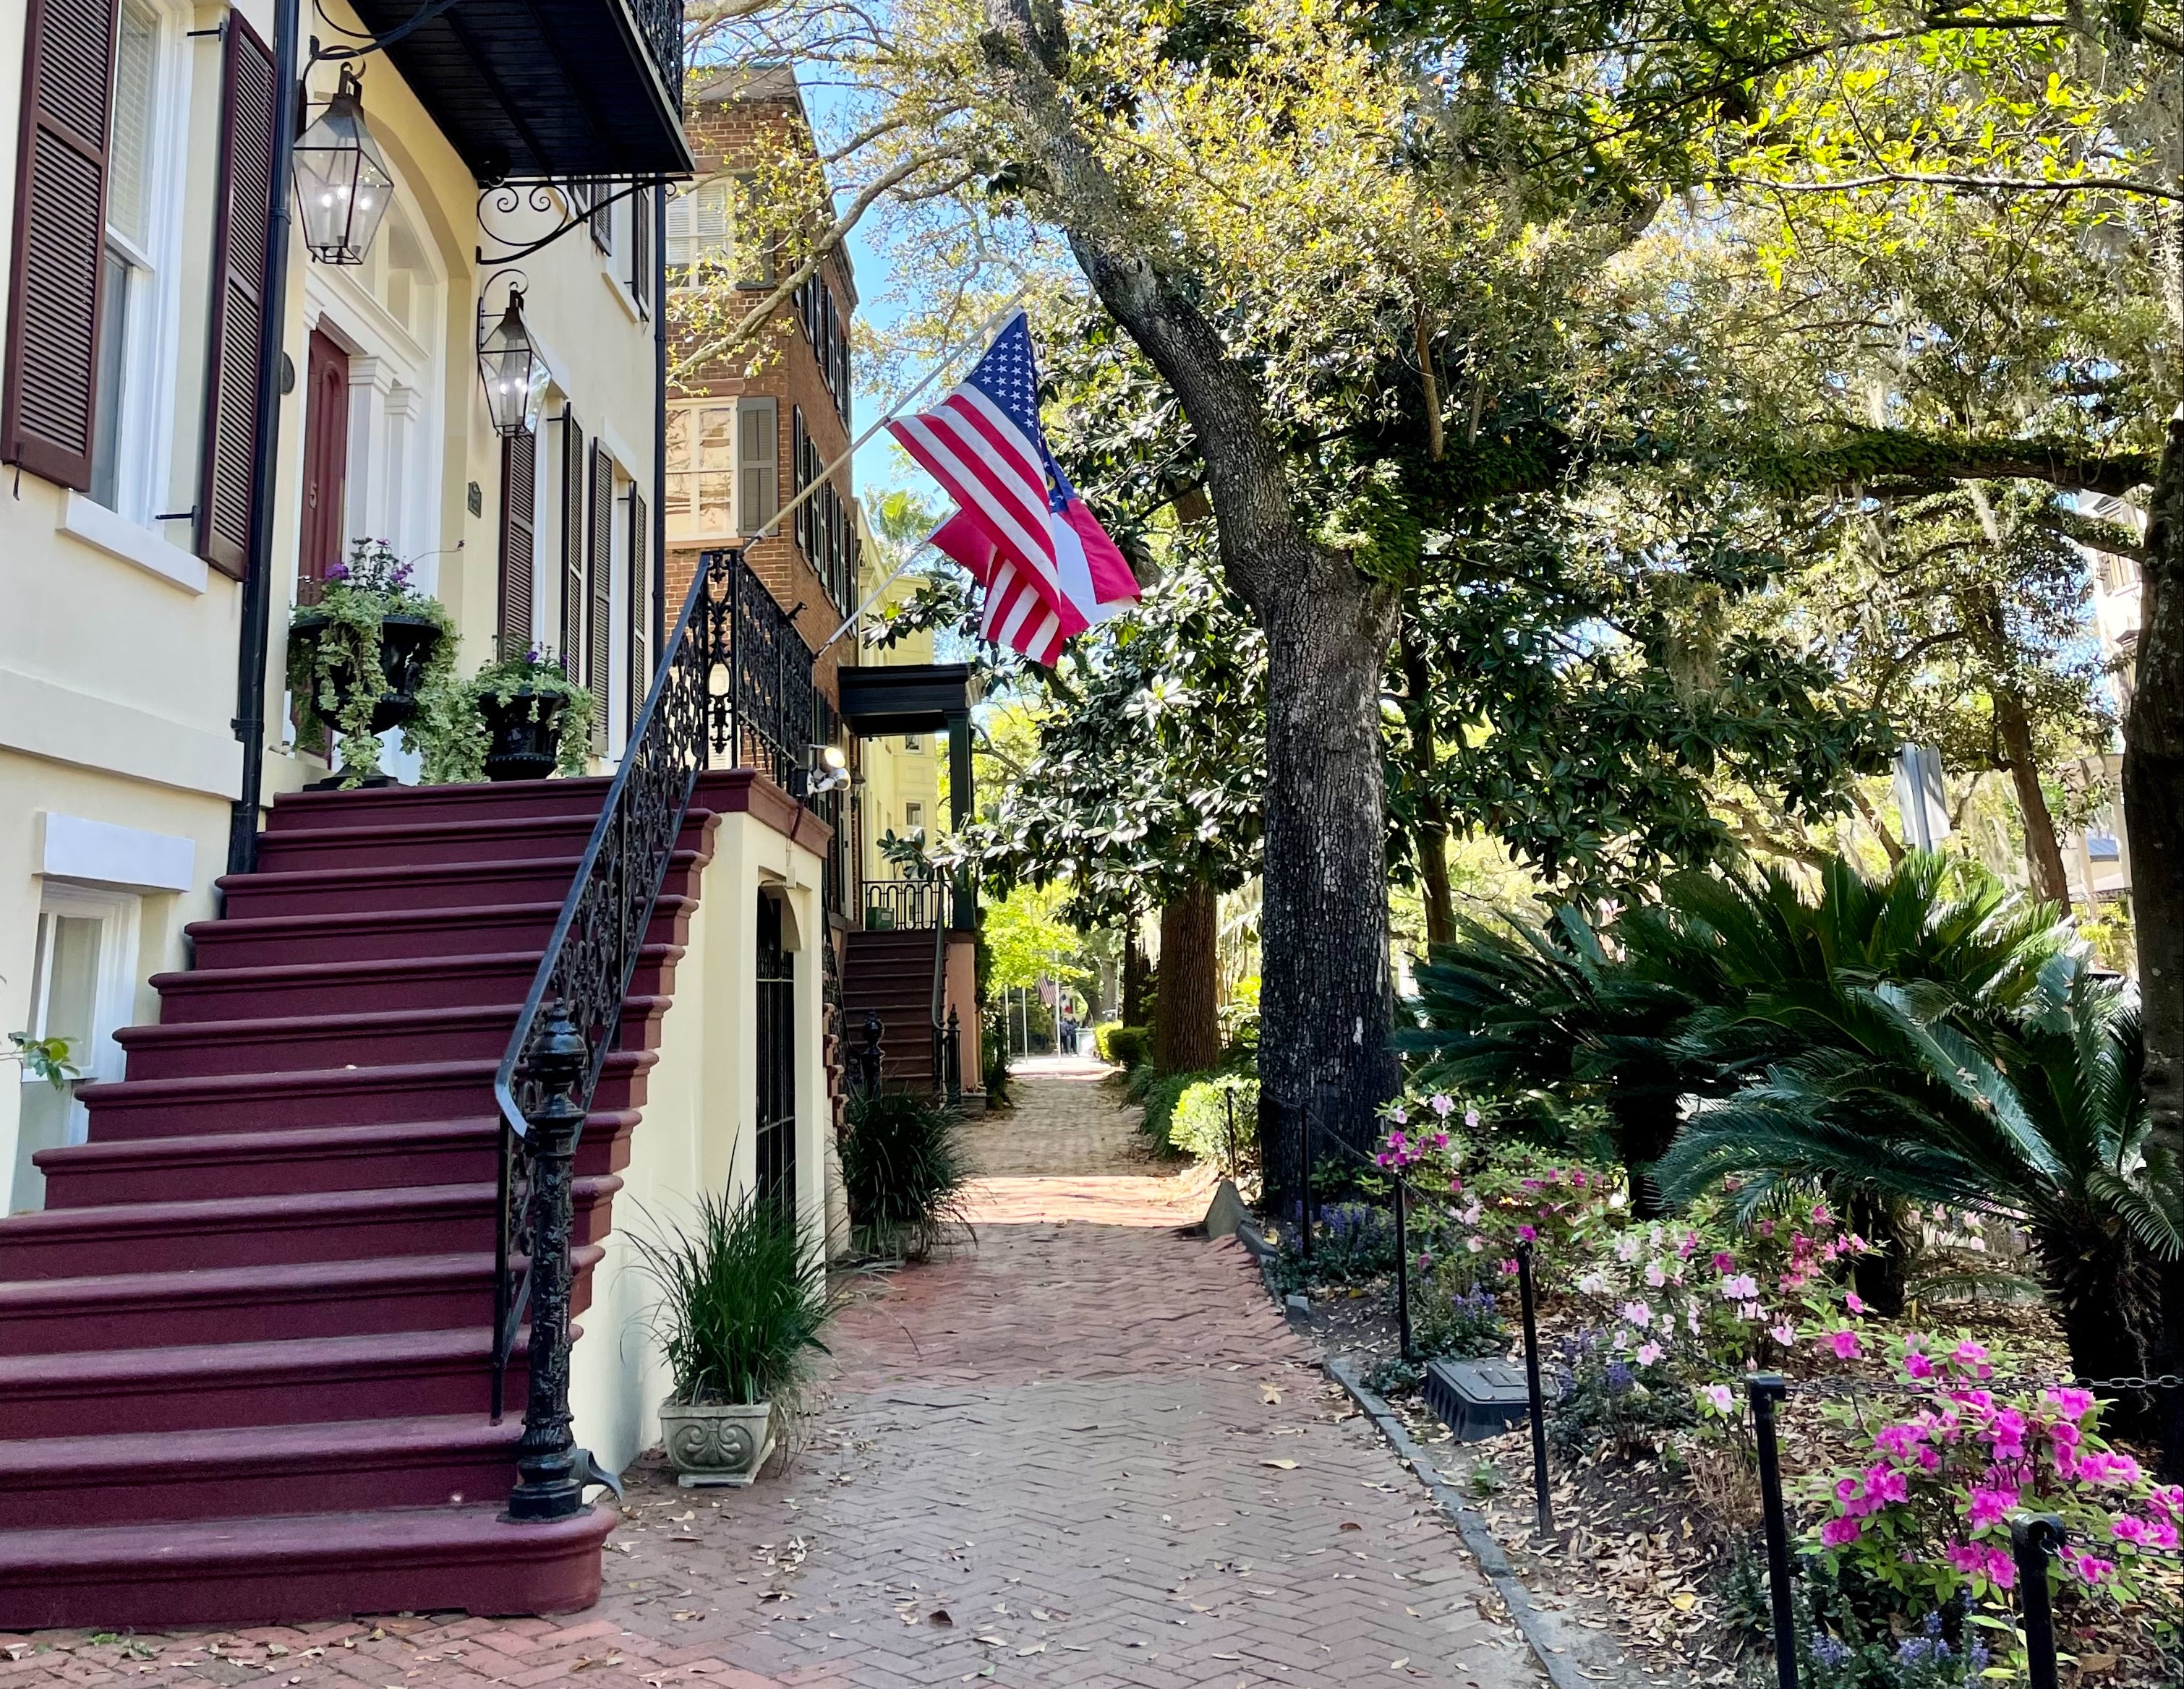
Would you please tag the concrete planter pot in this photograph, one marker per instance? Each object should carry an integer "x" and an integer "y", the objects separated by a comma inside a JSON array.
[{"x": 717, "y": 1443}]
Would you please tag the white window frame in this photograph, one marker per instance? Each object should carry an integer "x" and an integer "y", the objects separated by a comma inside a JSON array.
[
  {"x": 144, "y": 438},
  {"x": 114, "y": 997},
  {"x": 695, "y": 534}
]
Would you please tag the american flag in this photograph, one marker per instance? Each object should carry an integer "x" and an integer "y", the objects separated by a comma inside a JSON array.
[{"x": 982, "y": 442}]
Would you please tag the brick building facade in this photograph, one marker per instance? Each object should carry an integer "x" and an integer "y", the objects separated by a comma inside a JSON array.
[{"x": 741, "y": 446}]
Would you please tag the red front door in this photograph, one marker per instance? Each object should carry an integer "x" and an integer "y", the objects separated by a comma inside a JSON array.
[{"x": 325, "y": 462}]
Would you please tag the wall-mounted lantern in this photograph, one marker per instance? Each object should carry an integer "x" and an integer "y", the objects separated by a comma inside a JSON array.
[
  {"x": 343, "y": 183},
  {"x": 514, "y": 373}
]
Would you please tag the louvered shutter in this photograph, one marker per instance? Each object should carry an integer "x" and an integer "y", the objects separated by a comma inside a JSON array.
[
  {"x": 231, "y": 454},
  {"x": 519, "y": 550},
  {"x": 640, "y": 607},
  {"x": 599, "y": 193},
  {"x": 573, "y": 479},
  {"x": 640, "y": 250},
  {"x": 796, "y": 468},
  {"x": 598, "y": 660},
  {"x": 50, "y": 391}
]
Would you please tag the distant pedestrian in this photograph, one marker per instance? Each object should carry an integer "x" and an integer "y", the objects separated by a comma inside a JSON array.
[{"x": 1069, "y": 1031}]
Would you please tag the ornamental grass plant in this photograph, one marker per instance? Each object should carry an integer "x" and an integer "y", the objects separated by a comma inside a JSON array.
[
  {"x": 744, "y": 1298},
  {"x": 904, "y": 1169}
]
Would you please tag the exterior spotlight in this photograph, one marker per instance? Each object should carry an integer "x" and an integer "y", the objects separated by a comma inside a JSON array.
[
  {"x": 514, "y": 373},
  {"x": 343, "y": 183}
]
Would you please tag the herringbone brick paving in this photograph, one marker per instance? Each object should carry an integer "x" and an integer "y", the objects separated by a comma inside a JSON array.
[{"x": 1087, "y": 1452}]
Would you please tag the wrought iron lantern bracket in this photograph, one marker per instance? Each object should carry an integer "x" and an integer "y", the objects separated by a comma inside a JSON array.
[{"x": 505, "y": 199}]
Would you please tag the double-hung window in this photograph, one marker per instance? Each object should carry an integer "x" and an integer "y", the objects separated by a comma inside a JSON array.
[{"x": 130, "y": 269}]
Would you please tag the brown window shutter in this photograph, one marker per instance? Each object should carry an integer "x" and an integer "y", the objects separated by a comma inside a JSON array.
[
  {"x": 231, "y": 450},
  {"x": 640, "y": 606},
  {"x": 572, "y": 547},
  {"x": 598, "y": 665},
  {"x": 599, "y": 212},
  {"x": 519, "y": 552},
  {"x": 640, "y": 249},
  {"x": 46, "y": 401}
]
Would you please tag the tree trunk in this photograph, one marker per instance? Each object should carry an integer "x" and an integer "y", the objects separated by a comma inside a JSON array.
[
  {"x": 1882, "y": 1275},
  {"x": 1326, "y": 999},
  {"x": 1186, "y": 1031},
  {"x": 2043, "y": 856},
  {"x": 1325, "y": 1003},
  {"x": 1137, "y": 975},
  {"x": 2107, "y": 1295},
  {"x": 2154, "y": 816},
  {"x": 1430, "y": 836}
]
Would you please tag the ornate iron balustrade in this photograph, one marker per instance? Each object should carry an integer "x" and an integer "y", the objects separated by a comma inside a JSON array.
[
  {"x": 727, "y": 695},
  {"x": 660, "y": 22},
  {"x": 909, "y": 905}
]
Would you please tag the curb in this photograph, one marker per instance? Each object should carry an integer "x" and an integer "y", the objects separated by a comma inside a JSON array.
[{"x": 1549, "y": 1640}]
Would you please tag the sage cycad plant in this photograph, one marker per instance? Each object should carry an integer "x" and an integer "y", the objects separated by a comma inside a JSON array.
[{"x": 744, "y": 1298}]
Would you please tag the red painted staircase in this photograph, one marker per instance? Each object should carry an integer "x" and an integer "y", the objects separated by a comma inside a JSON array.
[
  {"x": 889, "y": 974},
  {"x": 244, "y": 1350}
]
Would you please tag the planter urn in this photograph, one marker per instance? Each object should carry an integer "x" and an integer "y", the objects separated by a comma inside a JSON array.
[
  {"x": 406, "y": 644},
  {"x": 523, "y": 735},
  {"x": 714, "y": 1444}
]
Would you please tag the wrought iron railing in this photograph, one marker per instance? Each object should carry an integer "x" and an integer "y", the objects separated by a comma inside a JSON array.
[
  {"x": 909, "y": 904},
  {"x": 660, "y": 23},
  {"x": 704, "y": 709}
]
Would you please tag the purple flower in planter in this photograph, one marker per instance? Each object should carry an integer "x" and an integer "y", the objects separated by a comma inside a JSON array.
[{"x": 336, "y": 572}]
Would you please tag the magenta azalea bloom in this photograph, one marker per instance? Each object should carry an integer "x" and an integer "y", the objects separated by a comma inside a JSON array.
[
  {"x": 1530, "y": 1234},
  {"x": 2090, "y": 1567},
  {"x": 1968, "y": 1558},
  {"x": 1844, "y": 1343},
  {"x": 1723, "y": 1261},
  {"x": 1837, "y": 1533},
  {"x": 2072, "y": 1405},
  {"x": 1916, "y": 1365},
  {"x": 1991, "y": 1506}
]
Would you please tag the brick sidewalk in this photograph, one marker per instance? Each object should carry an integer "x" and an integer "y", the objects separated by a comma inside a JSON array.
[{"x": 1087, "y": 1452}]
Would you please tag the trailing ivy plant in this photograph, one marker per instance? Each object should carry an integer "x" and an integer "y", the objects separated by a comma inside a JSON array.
[
  {"x": 335, "y": 644},
  {"x": 456, "y": 742}
]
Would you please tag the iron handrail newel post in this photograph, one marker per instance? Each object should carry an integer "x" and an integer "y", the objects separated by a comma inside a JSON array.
[
  {"x": 1766, "y": 1389},
  {"x": 548, "y": 1486}
]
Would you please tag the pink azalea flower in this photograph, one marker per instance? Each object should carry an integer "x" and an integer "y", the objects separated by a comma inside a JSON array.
[
  {"x": 1655, "y": 1278},
  {"x": 1844, "y": 1343},
  {"x": 1471, "y": 1119},
  {"x": 1638, "y": 1314},
  {"x": 1723, "y": 1261},
  {"x": 1785, "y": 1334},
  {"x": 1851, "y": 1301},
  {"x": 1902, "y": 1442},
  {"x": 2001, "y": 1570},
  {"x": 2090, "y": 1567},
  {"x": 2161, "y": 1534},
  {"x": 1836, "y": 1533},
  {"x": 1442, "y": 1105},
  {"x": 2072, "y": 1405},
  {"x": 1968, "y": 1558},
  {"x": 1509, "y": 1268},
  {"x": 1750, "y": 1310},
  {"x": 1916, "y": 1365},
  {"x": 1930, "y": 1458},
  {"x": 2167, "y": 1499},
  {"x": 1719, "y": 1397},
  {"x": 1401, "y": 1116},
  {"x": 1991, "y": 1506},
  {"x": 1530, "y": 1234},
  {"x": 1820, "y": 1214},
  {"x": 1885, "y": 1485},
  {"x": 2129, "y": 1530},
  {"x": 1648, "y": 1353}
]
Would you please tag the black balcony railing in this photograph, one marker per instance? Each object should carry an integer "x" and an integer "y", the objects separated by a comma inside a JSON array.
[
  {"x": 734, "y": 690},
  {"x": 914, "y": 904}
]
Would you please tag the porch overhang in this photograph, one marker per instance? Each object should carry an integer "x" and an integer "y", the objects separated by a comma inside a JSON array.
[
  {"x": 548, "y": 89},
  {"x": 912, "y": 698}
]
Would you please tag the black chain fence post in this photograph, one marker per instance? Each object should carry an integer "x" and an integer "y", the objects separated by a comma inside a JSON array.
[
  {"x": 2034, "y": 1537},
  {"x": 1403, "y": 1270},
  {"x": 1543, "y": 1512},
  {"x": 1765, "y": 1389}
]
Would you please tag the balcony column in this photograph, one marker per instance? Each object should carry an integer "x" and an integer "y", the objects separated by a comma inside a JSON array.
[{"x": 960, "y": 808}]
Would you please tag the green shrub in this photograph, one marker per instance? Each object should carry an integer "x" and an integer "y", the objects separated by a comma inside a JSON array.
[
  {"x": 1128, "y": 1046},
  {"x": 1452, "y": 1317},
  {"x": 994, "y": 1045},
  {"x": 1163, "y": 1091},
  {"x": 744, "y": 1298},
  {"x": 1201, "y": 1125},
  {"x": 904, "y": 1172}
]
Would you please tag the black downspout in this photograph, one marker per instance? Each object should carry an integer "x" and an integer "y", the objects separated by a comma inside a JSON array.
[
  {"x": 659, "y": 617},
  {"x": 258, "y": 584}
]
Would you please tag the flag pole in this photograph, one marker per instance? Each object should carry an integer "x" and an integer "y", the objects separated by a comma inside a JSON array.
[
  {"x": 872, "y": 598},
  {"x": 893, "y": 411}
]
